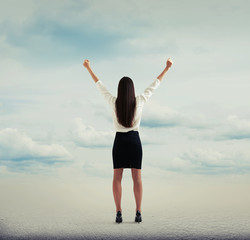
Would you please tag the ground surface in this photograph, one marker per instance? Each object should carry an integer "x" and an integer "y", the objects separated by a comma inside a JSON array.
[{"x": 81, "y": 212}]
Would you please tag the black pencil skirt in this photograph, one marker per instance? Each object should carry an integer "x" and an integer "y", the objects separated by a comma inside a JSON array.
[{"x": 127, "y": 150}]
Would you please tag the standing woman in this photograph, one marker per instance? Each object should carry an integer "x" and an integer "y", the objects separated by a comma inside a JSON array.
[{"x": 127, "y": 148}]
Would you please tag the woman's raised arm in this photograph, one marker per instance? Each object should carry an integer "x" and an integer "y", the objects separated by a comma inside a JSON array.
[
  {"x": 155, "y": 84},
  {"x": 86, "y": 64},
  {"x": 168, "y": 65},
  {"x": 99, "y": 84}
]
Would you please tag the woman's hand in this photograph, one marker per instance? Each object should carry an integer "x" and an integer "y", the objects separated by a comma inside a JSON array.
[
  {"x": 169, "y": 63},
  {"x": 86, "y": 63}
]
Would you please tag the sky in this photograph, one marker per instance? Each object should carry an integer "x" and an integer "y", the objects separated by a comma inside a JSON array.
[{"x": 55, "y": 125}]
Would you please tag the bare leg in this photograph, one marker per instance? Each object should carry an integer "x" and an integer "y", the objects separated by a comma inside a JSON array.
[
  {"x": 136, "y": 175},
  {"x": 117, "y": 187}
]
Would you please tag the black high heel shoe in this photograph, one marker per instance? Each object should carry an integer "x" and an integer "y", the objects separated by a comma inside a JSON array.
[
  {"x": 138, "y": 217},
  {"x": 118, "y": 217}
]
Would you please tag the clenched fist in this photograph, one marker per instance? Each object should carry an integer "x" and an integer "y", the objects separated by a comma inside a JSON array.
[
  {"x": 86, "y": 63},
  {"x": 169, "y": 63}
]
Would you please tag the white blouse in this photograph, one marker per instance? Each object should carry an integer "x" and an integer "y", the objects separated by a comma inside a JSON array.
[{"x": 140, "y": 101}]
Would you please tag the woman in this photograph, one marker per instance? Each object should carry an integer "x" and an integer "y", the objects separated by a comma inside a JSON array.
[{"x": 127, "y": 148}]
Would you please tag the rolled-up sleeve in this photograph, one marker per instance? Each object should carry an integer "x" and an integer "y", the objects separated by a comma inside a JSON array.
[
  {"x": 103, "y": 90},
  {"x": 150, "y": 89}
]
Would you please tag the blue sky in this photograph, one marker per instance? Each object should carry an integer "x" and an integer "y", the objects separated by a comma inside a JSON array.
[{"x": 53, "y": 118}]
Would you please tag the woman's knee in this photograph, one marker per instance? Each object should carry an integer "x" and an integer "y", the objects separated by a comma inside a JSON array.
[
  {"x": 118, "y": 174},
  {"x": 136, "y": 175}
]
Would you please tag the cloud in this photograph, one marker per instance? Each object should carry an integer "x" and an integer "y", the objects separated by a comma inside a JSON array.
[
  {"x": 237, "y": 128},
  {"x": 45, "y": 35},
  {"x": 212, "y": 126},
  {"x": 17, "y": 147},
  {"x": 211, "y": 161},
  {"x": 208, "y": 161},
  {"x": 157, "y": 115},
  {"x": 42, "y": 39},
  {"x": 88, "y": 136},
  {"x": 47, "y": 41},
  {"x": 231, "y": 127}
]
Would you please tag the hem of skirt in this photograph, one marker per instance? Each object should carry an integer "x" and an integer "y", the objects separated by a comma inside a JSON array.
[{"x": 126, "y": 167}]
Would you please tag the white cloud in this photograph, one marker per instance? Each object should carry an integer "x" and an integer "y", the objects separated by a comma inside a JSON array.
[
  {"x": 16, "y": 145},
  {"x": 210, "y": 157},
  {"x": 237, "y": 128},
  {"x": 231, "y": 127},
  {"x": 88, "y": 136},
  {"x": 200, "y": 125},
  {"x": 158, "y": 115},
  {"x": 210, "y": 161}
]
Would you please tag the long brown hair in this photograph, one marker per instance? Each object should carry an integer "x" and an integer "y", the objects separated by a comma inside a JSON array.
[{"x": 125, "y": 102}]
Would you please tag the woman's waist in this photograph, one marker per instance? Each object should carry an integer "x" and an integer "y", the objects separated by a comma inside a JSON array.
[{"x": 127, "y": 132}]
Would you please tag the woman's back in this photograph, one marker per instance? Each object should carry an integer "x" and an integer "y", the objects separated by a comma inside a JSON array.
[{"x": 140, "y": 101}]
